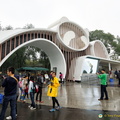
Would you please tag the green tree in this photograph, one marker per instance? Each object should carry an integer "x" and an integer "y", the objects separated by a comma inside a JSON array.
[
  {"x": 27, "y": 56},
  {"x": 9, "y": 27},
  {"x": 16, "y": 60},
  {"x": 117, "y": 45},
  {"x": 106, "y": 38},
  {"x": 44, "y": 60},
  {"x": 109, "y": 40},
  {"x": 28, "y": 26}
]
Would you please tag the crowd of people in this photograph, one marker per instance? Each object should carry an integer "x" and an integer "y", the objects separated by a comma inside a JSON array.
[
  {"x": 20, "y": 89},
  {"x": 117, "y": 75},
  {"x": 30, "y": 87}
]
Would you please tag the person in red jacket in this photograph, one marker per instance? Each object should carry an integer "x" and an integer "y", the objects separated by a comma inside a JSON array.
[{"x": 26, "y": 91}]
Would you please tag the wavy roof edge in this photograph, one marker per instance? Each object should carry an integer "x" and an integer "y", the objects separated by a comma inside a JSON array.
[{"x": 4, "y": 35}]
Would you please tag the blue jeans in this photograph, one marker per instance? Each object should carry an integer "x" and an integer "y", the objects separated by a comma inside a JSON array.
[
  {"x": 32, "y": 99},
  {"x": 6, "y": 100},
  {"x": 22, "y": 97}
]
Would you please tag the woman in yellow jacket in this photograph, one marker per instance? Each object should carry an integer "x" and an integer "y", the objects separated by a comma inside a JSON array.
[{"x": 53, "y": 91}]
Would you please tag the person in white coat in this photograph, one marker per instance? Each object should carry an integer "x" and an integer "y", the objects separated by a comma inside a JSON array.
[{"x": 31, "y": 92}]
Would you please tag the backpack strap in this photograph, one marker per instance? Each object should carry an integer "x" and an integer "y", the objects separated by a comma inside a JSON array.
[{"x": 15, "y": 79}]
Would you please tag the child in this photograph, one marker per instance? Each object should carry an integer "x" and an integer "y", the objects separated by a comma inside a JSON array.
[
  {"x": 31, "y": 92},
  {"x": 26, "y": 91},
  {"x": 53, "y": 92}
]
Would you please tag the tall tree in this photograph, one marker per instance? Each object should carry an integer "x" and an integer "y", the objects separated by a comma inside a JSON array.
[
  {"x": 44, "y": 60},
  {"x": 109, "y": 40},
  {"x": 106, "y": 38},
  {"x": 9, "y": 27},
  {"x": 27, "y": 56},
  {"x": 28, "y": 26},
  {"x": 117, "y": 45}
]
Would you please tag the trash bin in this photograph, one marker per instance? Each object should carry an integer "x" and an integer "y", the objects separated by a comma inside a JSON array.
[{"x": 111, "y": 80}]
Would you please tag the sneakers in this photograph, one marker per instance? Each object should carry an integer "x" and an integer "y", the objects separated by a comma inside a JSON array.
[
  {"x": 33, "y": 108},
  {"x": 29, "y": 106},
  {"x": 100, "y": 99},
  {"x": 59, "y": 107},
  {"x": 41, "y": 101},
  {"x": 9, "y": 117},
  {"x": 106, "y": 99},
  {"x": 52, "y": 110}
]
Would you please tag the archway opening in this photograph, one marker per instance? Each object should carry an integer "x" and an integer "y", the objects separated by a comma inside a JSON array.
[
  {"x": 27, "y": 56},
  {"x": 55, "y": 55}
]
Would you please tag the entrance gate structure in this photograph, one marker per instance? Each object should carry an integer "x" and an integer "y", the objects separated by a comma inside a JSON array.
[{"x": 65, "y": 42}]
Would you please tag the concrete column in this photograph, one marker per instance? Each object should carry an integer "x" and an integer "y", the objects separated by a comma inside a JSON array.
[{"x": 109, "y": 66}]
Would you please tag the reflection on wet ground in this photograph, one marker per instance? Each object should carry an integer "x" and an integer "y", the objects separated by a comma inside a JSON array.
[
  {"x": 42, "y": 113},
  {"x": 79, "y": 101},
  {"x": 85, "y": 96}
]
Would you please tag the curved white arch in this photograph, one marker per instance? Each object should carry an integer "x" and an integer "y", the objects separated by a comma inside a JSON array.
[
  {"x": 54, "y": 53},
  {"x": 98, "y": 49},
  {"x": 4, "y": 35},
  {"x": 84, "y": 38}
]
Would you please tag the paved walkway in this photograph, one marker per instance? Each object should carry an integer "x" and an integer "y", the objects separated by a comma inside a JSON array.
[
  {"x": 79, "y": 101},
  {"x": 42, "y": 113}
]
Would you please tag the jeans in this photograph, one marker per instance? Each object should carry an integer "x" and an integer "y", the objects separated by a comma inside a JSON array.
[
  {"x": 103, "y": 90},
  {"x": 22, "y": 97},
  {"x": 16, "y": 106},
  {"x": 39, "y": 92},
  {"x": 6, "y": 100},
  {"x": 26, "y": 94},
  {"x": 32, "y": 99},
  {"x": 119, "y": 81}
]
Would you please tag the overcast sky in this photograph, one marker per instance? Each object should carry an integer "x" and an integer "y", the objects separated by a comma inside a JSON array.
[{"x": 91, "y": 14}]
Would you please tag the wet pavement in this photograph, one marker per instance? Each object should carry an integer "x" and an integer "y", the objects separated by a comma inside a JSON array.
[
  {"x": 79, "y": 101},
  {"x": 42, "y": 113}
]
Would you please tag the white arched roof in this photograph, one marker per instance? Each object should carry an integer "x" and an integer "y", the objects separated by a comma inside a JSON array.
[
  {"x": 98, "y": 49},
  {"x": 4, "y": 35},
  {"x": 53, "y": 52}
]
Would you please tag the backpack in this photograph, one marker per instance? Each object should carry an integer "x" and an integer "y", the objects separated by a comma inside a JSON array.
[
  {"x": 20, "y": 84},
  {"x": 34, "y": 89},
  {"x": 40, "y": 81}
]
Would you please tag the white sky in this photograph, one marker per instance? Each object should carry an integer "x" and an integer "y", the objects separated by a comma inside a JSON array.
[{"x": 91, "y": 14}]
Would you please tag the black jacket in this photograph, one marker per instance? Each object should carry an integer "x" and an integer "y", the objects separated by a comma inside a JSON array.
[
  {"x": 118, "y": 75},
  {"x": 40, "y": 81},
  {"x": 10, "y": 85}
]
